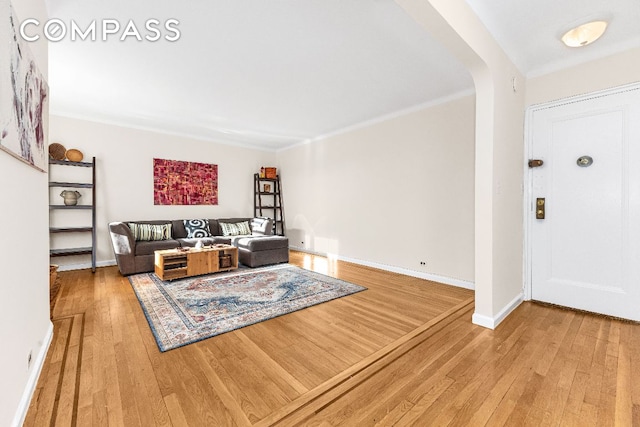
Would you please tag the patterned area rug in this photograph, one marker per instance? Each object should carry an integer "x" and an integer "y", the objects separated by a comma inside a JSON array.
[{"x": 184, "y": 311}]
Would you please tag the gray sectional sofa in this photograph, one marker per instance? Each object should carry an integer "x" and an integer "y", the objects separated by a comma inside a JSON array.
[{"x": 254, "y": 250}]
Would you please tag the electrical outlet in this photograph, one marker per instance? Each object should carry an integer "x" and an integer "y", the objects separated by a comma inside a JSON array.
[
  {"x": 423, "y": 263},
  {"x": 29, "y": 360}
]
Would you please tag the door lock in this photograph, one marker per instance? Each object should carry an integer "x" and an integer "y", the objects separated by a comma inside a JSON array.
[{"x": 540, "y": 208}]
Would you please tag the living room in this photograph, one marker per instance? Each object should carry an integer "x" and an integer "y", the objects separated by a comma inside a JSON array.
[{"x": 348, "y": 195}]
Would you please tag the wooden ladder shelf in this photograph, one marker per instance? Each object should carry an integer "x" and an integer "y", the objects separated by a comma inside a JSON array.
[{"x": 268, "y": 201}]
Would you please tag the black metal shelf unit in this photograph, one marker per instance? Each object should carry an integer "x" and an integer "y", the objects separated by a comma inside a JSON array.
[
  {"x": 269, "y": 203},
  {"x": 88, "y": 250}
]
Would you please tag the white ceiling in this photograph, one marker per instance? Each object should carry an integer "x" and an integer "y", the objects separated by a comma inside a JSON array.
[
  {"x": 271, "y": 74},
  {"x": 529, "y": 31}
]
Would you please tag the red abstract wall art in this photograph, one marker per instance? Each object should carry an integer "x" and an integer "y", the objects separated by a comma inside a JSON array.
[{"x": 184, "y": 183}]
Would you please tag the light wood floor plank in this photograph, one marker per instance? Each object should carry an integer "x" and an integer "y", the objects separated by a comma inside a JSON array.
[
  {"x": 44, "y": 402},
  {"x": 68, "y": 393},
  {"x": 624, "y": 403},
  {"x": 275, "y": 372},
  {"x": 400, "y": 385},
  {"x": 241, "y": 403},
  {"x": 402, "y": 353},
  {"x": 608, "y": 392},
  {"x": 347, "y": 380}
]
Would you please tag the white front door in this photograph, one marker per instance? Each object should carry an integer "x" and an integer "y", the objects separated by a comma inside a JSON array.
[{"x": 585, "y": 253}]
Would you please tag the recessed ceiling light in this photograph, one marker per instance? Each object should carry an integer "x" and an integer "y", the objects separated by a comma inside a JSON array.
[{"x": 584, "y": 34}]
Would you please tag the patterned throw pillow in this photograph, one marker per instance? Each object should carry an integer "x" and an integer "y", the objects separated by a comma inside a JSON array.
[
  {"x": 235, "y": 229},
  {"x": 197, "y": 228},
  {"x": 148, "y": 232}
]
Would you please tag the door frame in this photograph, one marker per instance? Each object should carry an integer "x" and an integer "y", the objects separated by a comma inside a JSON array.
[{"x": 528, "y": 199}]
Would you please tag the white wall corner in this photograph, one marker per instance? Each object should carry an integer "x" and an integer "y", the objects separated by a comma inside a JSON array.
[
  {"x": 493, "y": 322},
  {"x": 38, "y": 363}
]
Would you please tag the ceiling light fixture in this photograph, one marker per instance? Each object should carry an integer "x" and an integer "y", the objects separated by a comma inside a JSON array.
[{"x": 584, "y": 34}]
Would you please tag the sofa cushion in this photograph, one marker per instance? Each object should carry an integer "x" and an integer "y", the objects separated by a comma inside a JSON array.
[
  {"x": 221, "y": 239},
  {"x": 197, "y": 228},
  {"x": 178, "y": 230},
  {"x": 261, "y": 243},
  {"x": 235, "y": 229},
  {"x": 187, "y": 242},
  {"x": 148, "y": 248},
  {"x": 149, "y": 232}
]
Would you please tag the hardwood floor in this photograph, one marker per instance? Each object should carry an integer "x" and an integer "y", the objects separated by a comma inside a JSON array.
[{"x": 404, "y": 352}]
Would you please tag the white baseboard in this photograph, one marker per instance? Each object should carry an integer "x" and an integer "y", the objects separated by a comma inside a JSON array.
[
  {"x": 85, "y": 265},
  {"x": 38, "y": 363},
  {"x": 419, "y": 274},
  {"x": 493, "y": 322}
]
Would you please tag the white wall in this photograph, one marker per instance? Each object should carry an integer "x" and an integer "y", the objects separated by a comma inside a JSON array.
[
  {"x": 124, "y": 187},
  {"x": 499, "y": 162},
  {"x": 615, "y": 70},
  {"x": 393, "y": 193},
  {"x": 24, "y": 262}
]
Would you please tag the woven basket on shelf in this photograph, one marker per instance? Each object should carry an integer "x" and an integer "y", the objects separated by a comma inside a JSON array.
[
  {"x": 57, "y": 151},
  {"x": 74, "y": 155},
  {"x": 225, "y": 261}
]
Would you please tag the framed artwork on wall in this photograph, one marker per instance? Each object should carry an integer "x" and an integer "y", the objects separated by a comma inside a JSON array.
[
  {"x": 24, "y": 96},
  {"x": 184, "y": 183}
]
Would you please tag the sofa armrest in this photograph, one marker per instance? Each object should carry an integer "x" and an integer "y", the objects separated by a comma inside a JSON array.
[
  {"x": 124, "y": 246},
  {"x": 122, "y": 239},
  {"x": 262, "y": 226}
]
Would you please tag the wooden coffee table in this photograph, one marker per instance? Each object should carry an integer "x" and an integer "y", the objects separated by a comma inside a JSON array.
[{"x": 173, "y": 264}]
